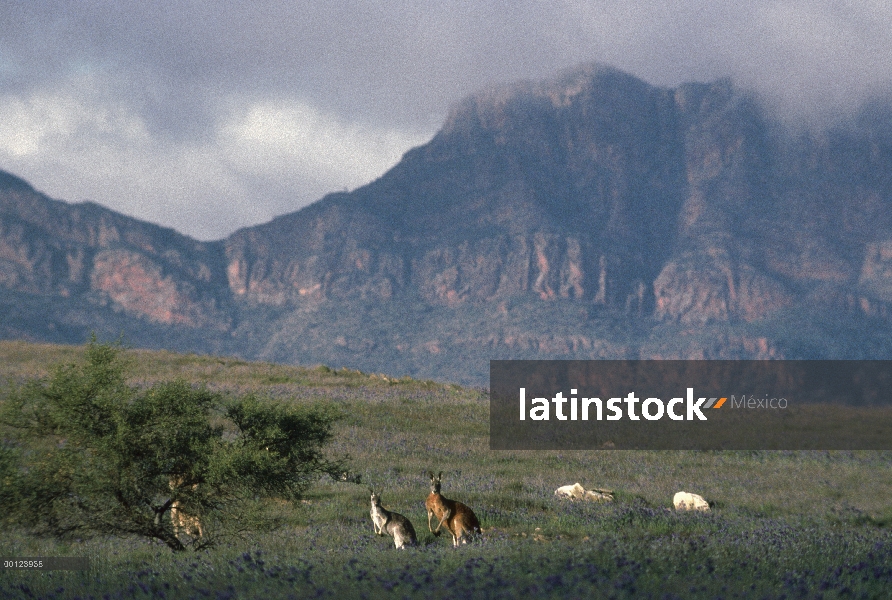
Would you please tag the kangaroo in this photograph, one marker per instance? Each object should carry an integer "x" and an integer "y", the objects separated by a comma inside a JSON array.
[
  {"x": 392, "y": 523},
  {"x": 460, "y": 520},
  {"x": 182, "y": 521}
]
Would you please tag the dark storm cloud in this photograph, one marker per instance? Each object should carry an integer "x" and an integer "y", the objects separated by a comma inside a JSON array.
[{"x": 181, "y": 112}]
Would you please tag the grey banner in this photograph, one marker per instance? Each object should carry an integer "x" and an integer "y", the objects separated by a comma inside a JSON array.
[{"x": 680, "y": 405}]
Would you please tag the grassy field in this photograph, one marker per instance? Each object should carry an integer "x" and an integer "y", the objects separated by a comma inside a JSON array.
[{"x": 785, "y": 524}]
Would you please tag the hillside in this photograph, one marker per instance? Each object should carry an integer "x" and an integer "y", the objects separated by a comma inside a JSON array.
[{"x": 588, "y": 216}]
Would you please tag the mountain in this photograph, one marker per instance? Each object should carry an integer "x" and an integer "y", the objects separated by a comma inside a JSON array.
[{"x": 588, "y": 216}]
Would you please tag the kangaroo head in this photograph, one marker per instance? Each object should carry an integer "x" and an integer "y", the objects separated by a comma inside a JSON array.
[
  {"x": 435, "y": 482},
  {"x": 376, "y": 499}
]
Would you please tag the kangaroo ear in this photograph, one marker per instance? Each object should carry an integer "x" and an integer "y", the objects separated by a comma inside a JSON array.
[
  {"x": 430, "y": 474},
  {"x": 440, "y": 476}
]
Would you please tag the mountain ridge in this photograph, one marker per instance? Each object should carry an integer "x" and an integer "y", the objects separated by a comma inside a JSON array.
[{"x": 583, "y": 216}]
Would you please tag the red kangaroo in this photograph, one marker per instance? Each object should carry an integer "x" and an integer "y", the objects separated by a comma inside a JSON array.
[{"x": 460, "y": 520}]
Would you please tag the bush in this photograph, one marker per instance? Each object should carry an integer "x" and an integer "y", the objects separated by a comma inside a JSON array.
[{"x": 90, "y": 454}]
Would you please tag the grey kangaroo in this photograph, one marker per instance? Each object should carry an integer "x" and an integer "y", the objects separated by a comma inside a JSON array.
[{"x": 392, "y": 523}]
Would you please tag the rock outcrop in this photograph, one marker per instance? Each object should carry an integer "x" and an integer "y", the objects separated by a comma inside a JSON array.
[{"x": 49, "y": 247}]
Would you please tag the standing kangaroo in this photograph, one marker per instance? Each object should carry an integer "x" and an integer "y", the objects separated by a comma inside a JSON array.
[
  {"x": 460, "y": 520},
  {"x": 392, "y": 523}
]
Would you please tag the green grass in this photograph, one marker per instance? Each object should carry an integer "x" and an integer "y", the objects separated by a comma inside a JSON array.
[{"x": 792, "y": 524}]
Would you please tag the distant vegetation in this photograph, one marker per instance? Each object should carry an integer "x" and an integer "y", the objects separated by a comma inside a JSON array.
[{"x": 793, "y": 524}]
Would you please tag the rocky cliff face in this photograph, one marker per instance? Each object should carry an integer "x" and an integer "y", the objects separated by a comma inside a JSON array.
[
  {"x": 552, "y": 190},
  {"x": 49, "y": 247},
  {"x": 598, "y": 203},
  {"x": 688, "y": 204}
]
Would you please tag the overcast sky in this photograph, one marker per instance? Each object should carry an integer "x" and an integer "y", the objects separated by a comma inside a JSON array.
[{"x": 210, "y": 115}]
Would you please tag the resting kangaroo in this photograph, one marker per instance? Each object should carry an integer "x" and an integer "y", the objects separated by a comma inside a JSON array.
[
  {"x": 460, "y": 520},
  {"x": 392, "y": 523},
  {"x": 182, "y": 521}
]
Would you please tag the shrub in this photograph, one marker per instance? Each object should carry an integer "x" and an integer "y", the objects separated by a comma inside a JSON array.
[{"x": 90, "y": 454}]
